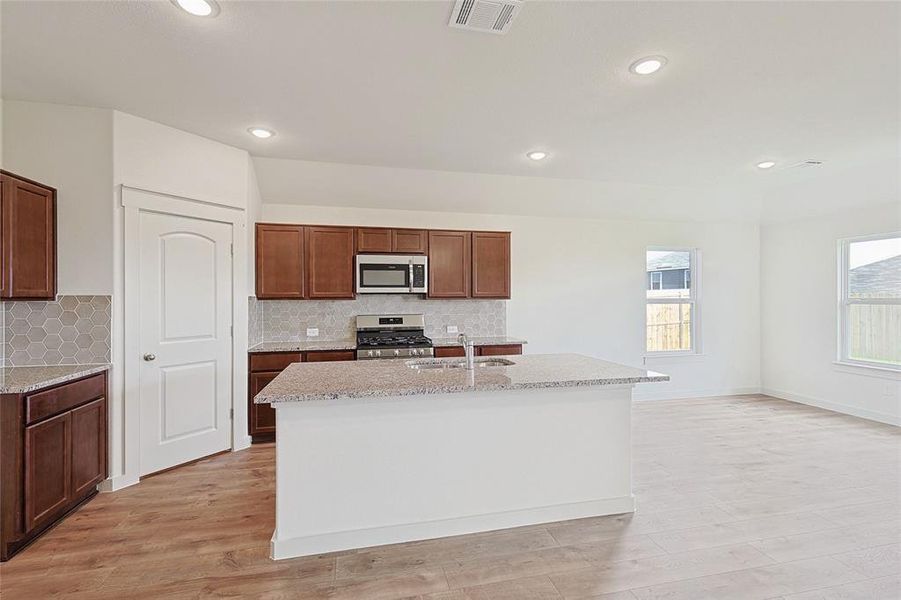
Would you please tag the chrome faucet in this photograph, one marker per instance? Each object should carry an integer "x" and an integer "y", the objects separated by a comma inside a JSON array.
[{"x": 468, "y": 350}]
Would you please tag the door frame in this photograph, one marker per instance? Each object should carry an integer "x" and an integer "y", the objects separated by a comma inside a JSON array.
[{"x": 134, "y": 202}]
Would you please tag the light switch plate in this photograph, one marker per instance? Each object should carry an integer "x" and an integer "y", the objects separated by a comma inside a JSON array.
[
  {"x": 452, "y": 329},
  {"x": 312, "y": 332}
]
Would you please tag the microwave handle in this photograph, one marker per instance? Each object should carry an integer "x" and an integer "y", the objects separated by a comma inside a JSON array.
[{"x": 410, "y": 266}]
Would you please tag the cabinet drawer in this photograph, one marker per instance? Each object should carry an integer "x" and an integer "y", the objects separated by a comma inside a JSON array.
[
  {"x": 500, "y": 350},
  {"x": 328, "y": 355},
  {"x": 449, "y": 352},
  {"x": 273, "y": 361},
  {"x": 65, "y": 397}
]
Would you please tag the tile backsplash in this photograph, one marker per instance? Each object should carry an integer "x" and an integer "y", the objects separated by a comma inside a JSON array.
[
  {"x": 69, "y": 330},
  {"x": 288, "y": 320}
]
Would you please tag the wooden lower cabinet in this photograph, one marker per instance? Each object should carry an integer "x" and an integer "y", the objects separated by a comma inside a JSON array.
[
  {"x": 449, "y": 352},
  {"x": 261, "y": 417},
  {"x": 48, "y": 481},
  {"x": 53, "y": 453},
  {"x": 500, "y": 350},
  {"x": 263, "y": 368}
]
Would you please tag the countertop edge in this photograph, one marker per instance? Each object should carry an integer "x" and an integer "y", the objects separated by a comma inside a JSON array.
[
  {"x": 91, "y": 369},
  {"x": 262, "y": 399}
]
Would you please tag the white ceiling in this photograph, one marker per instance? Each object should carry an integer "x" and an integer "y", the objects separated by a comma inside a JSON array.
[{"x": 390, "y": 84}]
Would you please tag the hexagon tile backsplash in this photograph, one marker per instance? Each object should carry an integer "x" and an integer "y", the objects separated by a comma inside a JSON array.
[
  {"x": 71, "y": 330},
  {"x": 287, "y": 320}
]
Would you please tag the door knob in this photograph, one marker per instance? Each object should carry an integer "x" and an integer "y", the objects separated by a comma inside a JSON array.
[{"x": 148, "y": 357}]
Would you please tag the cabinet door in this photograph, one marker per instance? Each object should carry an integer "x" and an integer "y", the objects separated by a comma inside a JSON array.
[
  {"x": 490, "y": 264},
  {"x": 449, "y": 264},
  {"x": 500, "y": 350},
  {"x": 449, "y": 352},
  {"x": 279, "y": 261},
  {"x": 373, "y": 240},
  {"x": 29, "y": 239},
  {"x": 330, "y": 262},
  {"x": 48, "y": 485},
  {"x": 330, "y": 355},
  {"x": 261, "y": 417},
  {"x": 4, "y": 265},
  {"x": 409, "y": 241},
  {"x": 88, "y": 446}
]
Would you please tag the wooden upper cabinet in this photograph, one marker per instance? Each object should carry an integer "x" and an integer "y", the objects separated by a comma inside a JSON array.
[
  {"x": 409, "y": 241},
  {"x": 449, "y": 264},
  {"x": 490, "y": 264},
  {"x": 400, "y": 241},
  {"x": 28, "y": 234},
  {"x": 370, "y": 239},
  {"x": 330, "y": 262},
  {"x": 280, "y": 265}
]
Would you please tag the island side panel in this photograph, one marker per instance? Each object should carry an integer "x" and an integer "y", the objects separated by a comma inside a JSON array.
[{"x": 359, "y": 473}]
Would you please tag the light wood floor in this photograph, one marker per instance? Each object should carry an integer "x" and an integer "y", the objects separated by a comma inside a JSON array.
[{"x": 739, "y": 498}]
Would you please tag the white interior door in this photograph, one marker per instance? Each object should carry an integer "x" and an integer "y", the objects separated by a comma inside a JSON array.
[{"x": 185, "y": 339}]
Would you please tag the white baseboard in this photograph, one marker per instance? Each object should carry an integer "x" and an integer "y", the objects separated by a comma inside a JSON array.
[
  {"x": 114, "y": 484},
  {"x": 845, "y": 409},
  {"x": 641, "y": 394},
  {"x": 242, "y": 443},
  {"x": 378, "y": 536}
]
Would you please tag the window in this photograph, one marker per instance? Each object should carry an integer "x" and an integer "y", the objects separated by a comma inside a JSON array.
[
  {"x": 870, "y": 301},
  {"x": 672, "y": 300}
]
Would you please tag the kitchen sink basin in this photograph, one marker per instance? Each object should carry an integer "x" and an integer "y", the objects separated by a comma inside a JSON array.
[{"x": 428, "y": 364}]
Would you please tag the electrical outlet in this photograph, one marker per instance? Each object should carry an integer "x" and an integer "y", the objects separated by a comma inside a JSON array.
[
  {"x": 452, "y": 329},
  {"x": 312, "y": 332}
]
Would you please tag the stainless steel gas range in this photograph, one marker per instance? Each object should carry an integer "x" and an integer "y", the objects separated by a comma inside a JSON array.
[{"x": 392, "y": 336}]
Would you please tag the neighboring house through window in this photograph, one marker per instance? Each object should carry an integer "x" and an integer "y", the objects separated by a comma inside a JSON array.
[
  {"x": 672, "y": 300},
  {"x": 870, "y": 301}
]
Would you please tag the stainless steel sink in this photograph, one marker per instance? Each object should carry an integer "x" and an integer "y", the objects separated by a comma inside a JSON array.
[
  {"x": 494, "y": 362},
  {"x": 427, "y": 364}
]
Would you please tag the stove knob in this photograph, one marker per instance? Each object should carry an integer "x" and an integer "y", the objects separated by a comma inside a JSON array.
[
  {"x": 378, "y": 352},
  {"x": 397, "y": 353},
  {"x": 369, "y": 353}
]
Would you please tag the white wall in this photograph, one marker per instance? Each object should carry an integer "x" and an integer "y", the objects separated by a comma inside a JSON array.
[
  {"x": 150, "y": 156},
  {"x": 799, "y": 315},
  {"x": 71, "y": 149},
  {"x": 579, "y": 284},
  {"x": 254, "y": 210}
]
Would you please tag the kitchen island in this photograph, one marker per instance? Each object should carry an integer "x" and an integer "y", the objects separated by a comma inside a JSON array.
[{"x": 378, "y": 452}]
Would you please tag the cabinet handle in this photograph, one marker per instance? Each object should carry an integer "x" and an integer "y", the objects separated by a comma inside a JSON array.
[{"x": 148, "y": 357}]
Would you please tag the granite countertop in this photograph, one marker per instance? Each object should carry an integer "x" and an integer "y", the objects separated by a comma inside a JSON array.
[
  {"x": 306, "y": 346},
  {"x": 314, "y": 345},
  {"x": 501, "y": 340},
  {"x": 20, "y": 380},
  {"x": 375, "y": 378}
]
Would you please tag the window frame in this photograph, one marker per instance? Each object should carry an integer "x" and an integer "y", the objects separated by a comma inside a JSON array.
[
  {"x": 694, "y": 300},
  {"x": 843, "y": 309},
  {"x": 659, "y": 280}
]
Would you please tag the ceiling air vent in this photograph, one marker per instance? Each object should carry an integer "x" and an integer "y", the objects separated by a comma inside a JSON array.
[{"x": 489, "y": 16}]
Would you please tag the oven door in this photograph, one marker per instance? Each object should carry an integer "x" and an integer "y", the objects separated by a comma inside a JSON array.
[{"x": 391, "y": 274}]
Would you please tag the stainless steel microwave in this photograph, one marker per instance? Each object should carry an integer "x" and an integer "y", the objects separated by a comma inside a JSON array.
[{"x": 392, "y": 274}]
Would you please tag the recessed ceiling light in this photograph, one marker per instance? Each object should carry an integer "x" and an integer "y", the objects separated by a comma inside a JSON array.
[
  {"x": 537, "y": 155},
  {"x": 647, "y": 65},
  {"x": 198, "y": 8},
  {"x": 767, "y": 164},
  {"x": 261, "y": 133}
]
